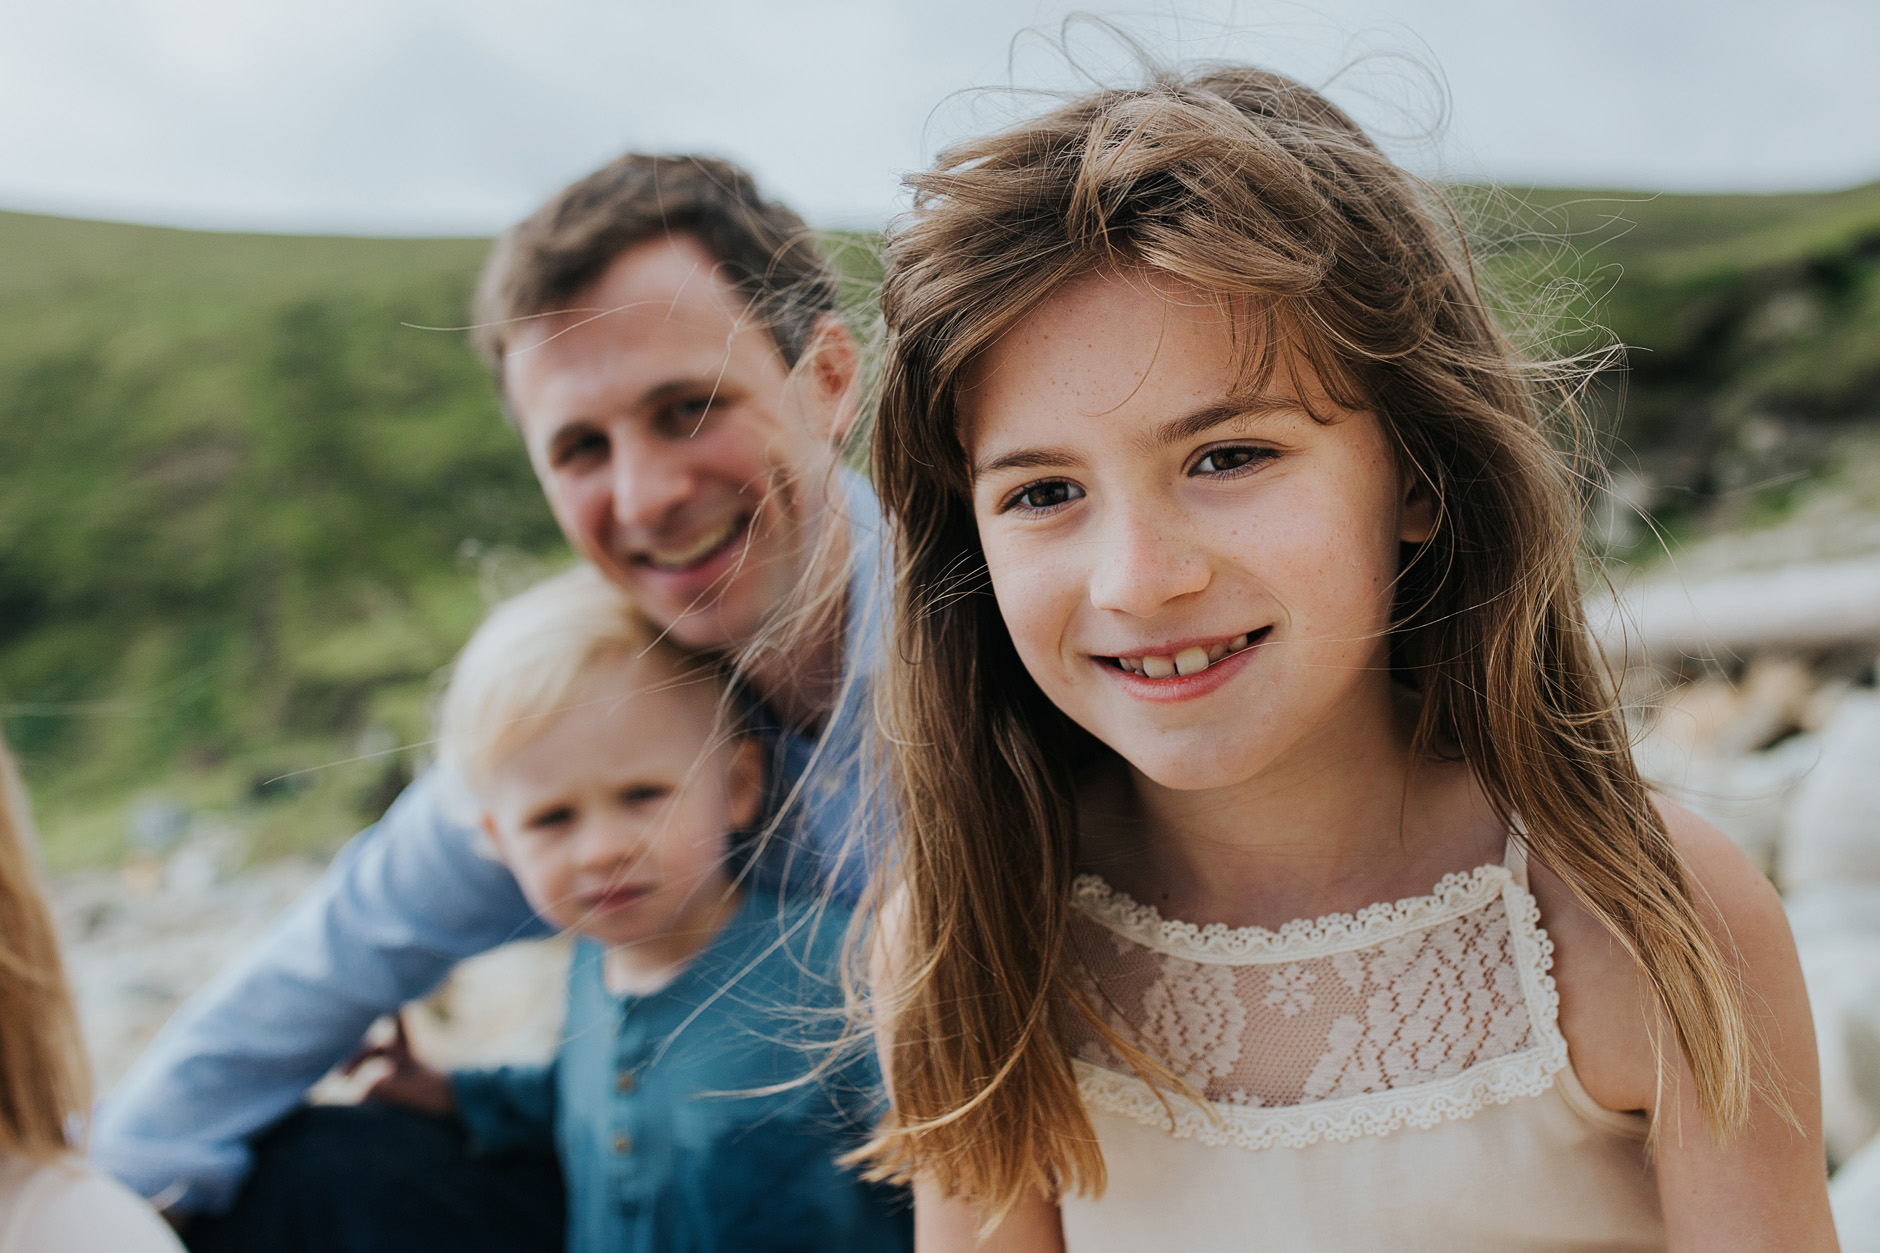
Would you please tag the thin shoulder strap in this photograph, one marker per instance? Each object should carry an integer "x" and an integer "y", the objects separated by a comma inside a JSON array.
[{"x": 1514, "y": 857}]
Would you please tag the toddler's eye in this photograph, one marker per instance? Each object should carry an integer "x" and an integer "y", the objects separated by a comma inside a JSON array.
[
  {"x": 1046, "y": 495},
  {"x": 644, "y": 794},
  {"x": 1223, "y": 460},
  {"x": 551, "y": 819}
]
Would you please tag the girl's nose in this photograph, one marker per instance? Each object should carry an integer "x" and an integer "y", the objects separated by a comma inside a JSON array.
[{"x": 1142, "y": 563}]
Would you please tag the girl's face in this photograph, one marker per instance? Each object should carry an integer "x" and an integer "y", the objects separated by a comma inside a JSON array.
[{"x": 1198, "y": 576}]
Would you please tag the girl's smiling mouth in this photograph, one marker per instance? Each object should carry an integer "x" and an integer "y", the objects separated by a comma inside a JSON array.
[{"x": 1187, "y": 659}]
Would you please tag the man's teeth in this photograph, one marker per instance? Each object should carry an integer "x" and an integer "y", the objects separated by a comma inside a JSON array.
[
  {"x": 1188, "y": 661},
  {"x": 680, "y": 558}
]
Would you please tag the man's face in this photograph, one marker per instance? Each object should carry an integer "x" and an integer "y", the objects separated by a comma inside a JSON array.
[{"x": 677, "y": 451}]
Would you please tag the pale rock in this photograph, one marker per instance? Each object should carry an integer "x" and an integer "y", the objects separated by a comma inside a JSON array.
[
  {"x": 1837, "y": 935},
  {"x": 1855, "y": 1195},
  {"x": 1798, "y": 608},
  {"x": 1832, "y": 833},
  {"x": 136, "y": 951},
  {"x": 1747, "y": 796}
]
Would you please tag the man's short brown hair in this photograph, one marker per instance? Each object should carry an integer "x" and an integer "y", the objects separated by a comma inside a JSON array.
[{"x": 763, "y": 250}]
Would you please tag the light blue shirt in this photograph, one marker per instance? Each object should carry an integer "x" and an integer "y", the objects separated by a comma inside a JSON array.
[
  {"x": 707, "y": 1115},
  {"x": 405, "y": 901}
]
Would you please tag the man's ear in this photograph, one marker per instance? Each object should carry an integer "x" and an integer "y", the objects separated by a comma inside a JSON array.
[
  {"x": 831, "y": 370},
  {"x": 746, "y": 782},
  {"x": 1417, "y": 517}
]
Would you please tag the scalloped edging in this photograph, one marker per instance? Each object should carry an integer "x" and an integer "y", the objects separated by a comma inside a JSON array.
[
  {"x": 1530, "y": 1072},
  {"x": 1218, "y": 944}
]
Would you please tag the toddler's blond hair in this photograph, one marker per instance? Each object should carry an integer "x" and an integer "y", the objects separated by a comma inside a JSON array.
[{"x": 532, "y": 657}]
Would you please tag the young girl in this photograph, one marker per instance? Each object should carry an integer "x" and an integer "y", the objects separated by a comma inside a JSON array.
[
  {"x": 1273, "y": 869},
  {"x": 49, "y": 1202}
]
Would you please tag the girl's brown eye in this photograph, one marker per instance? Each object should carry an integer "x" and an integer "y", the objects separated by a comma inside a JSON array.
[
  {"x": 1223, "y": 459},
  {"x": 1047, "y": 495}
]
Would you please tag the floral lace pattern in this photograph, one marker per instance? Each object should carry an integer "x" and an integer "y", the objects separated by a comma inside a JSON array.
[{"x": 1353, "y": 1024}]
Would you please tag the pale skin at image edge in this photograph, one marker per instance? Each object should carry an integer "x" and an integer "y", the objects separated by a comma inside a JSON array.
[
  {"x": 1141, "y": 550},
  {"x": 615, "y": 819}
]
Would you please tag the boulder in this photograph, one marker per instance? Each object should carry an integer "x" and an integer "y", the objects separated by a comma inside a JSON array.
[
  {"x": 1837, "y": 934},
  {"x": 1799, "y": 608},
  {"x": 1833, "y": 826},
  {"x": 1855, "y": 1195}
]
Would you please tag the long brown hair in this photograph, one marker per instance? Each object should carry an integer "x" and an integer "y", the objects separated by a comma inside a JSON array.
[
  {"x": 1246, "y": 184},
  {"x": 45, "y": 1082}
]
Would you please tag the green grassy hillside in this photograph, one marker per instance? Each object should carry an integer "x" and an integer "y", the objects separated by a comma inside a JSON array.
[
  {"x": 243, "y": 506},
  {"x": 1752, "y": 326},
  {"x": 247, "y": 510}
]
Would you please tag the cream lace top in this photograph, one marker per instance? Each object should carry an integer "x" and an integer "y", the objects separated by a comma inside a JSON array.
[{"x": 1390, "y": 1079}]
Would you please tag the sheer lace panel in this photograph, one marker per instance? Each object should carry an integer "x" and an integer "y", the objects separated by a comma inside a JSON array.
[{"x": 1390, "y": 998}]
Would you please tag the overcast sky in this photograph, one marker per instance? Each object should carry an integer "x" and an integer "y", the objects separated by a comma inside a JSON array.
[{"x": 456, "y": 116}]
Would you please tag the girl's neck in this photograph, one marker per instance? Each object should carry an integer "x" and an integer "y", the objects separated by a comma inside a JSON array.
[{"x": 1348, "y": 818}]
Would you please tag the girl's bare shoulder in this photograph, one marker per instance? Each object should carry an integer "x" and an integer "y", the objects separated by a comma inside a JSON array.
[{"x": 1606, "y": 1007}]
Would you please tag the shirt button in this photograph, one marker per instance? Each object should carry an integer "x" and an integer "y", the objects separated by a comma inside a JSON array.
[
  {"x": 623, "y": 1144},
  {"x": 624, "y": 1082}
]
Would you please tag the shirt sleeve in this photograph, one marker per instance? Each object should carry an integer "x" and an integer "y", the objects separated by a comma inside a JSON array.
[
  {"x": 510, "y": 1107},
  {"x": 401, "y": 904}
]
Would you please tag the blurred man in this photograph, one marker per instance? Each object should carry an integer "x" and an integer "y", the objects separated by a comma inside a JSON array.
[{"x": 667, "y": 344}]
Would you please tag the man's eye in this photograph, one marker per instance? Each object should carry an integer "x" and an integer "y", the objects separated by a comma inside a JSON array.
[
  {"x": 588, "y": 446},
  {"x": 1222, "y": 460},
  {"x": 685, "y": 416},
  {"x": 1046, "y": 495}
]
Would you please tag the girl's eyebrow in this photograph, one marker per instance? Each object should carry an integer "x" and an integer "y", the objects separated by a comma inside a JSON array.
[
  {"x": 1174, "y": 431},
  {"x": 1027, "y": 459},
  {"x": 1202, "y": 420}
]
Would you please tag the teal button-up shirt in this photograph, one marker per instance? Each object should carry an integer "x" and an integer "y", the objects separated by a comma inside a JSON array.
[{"x": 708, "y": 1115}]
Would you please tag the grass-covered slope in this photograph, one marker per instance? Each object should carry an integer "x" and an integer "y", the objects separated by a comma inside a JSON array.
[
  {"x": 242, "y": 508},
  {"x": 1752, "y": 326}
]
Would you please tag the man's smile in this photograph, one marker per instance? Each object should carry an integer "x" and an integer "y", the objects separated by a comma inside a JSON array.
[{"x": 683, "y": 557}]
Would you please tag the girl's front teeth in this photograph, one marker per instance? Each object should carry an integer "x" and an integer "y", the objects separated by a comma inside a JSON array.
[{"x": 1187, "y": 661}]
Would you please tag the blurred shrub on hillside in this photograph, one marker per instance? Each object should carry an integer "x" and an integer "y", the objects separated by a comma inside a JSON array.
[{"x": 232, "y": 503}]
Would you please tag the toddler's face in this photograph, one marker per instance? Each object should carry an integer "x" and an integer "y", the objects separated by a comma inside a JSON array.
[
  {"x": 1200, "y": 578},
  {"x": 614, "y": 819}
]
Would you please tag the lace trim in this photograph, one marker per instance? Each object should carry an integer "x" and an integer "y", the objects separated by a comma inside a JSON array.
[
  {"x": 1529, "y": 1072},
  {"x": 1496, "y": 1082},
  {"x": 1219, "y": 944}
]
